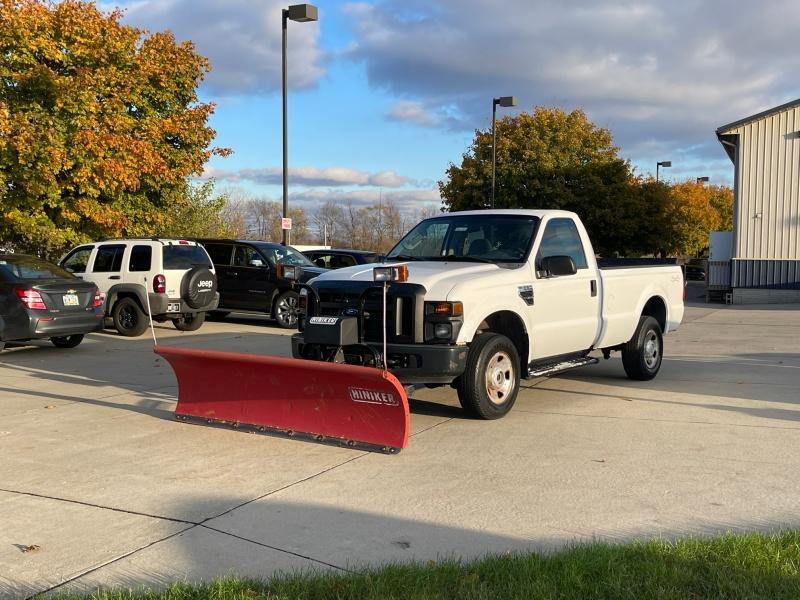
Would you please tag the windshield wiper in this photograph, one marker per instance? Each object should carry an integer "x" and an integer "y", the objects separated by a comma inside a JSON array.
[
  {"x": 463, "y": 259},
  {"x": 405, "y": 257}
]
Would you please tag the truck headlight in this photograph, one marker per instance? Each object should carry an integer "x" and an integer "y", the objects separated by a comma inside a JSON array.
[{"x": 444, "y": 309}]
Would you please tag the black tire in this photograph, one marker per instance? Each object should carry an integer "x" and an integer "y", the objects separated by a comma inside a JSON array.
[
  {"x": 284, "y": 310},
  {"x": 192, "y": 323},
  {"x": 490, "y": 383},
  {"x": 198, "y": 287},
  {"x": 69, "y": 341},
  {"x": 641, "y": 355},
  {"x": 129, "y": 319}
]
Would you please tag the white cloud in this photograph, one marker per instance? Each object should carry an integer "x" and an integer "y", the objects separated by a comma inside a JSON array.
[
  {"x": 652, "y": 71},
  {"x": 311, "y": 176},
  {"x": 241, "y": 38},
  {"x": 413, "y": 112}
]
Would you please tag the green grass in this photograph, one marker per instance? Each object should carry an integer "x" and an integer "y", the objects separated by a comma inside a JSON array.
[{"x": 731, "y": 566}]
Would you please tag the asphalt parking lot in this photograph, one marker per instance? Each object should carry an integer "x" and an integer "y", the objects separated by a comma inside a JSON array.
[{"x": 100, "y": 486}]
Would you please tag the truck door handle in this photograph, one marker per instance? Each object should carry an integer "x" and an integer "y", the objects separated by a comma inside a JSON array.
[
  {"x": 593, "y": 287},
  {"x": 115, "y": 277},
  {"x": 233, "y": 273}
]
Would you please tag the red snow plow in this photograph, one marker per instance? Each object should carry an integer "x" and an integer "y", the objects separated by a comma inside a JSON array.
[{"x": 347, "y": 405}]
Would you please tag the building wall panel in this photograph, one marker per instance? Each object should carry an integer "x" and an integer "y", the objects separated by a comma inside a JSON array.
[{"x": 768, "y": 188}]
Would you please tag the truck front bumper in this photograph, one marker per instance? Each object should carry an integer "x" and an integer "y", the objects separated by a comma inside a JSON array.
[{"x": 421, "y": 363}]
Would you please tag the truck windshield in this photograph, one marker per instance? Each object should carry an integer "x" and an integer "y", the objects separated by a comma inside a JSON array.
[{"x": 489, "y": 238}]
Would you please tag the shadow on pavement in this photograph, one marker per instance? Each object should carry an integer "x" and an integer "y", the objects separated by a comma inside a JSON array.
[{"x": 262, "y": 537}]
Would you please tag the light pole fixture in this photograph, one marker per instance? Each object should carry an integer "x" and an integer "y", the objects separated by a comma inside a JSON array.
[
  {"x": 300, "y": 13},
  {"x": 702, "y": 180},
  {"x": 503, "y": 101},
  {"x": 663, "y": 163}
]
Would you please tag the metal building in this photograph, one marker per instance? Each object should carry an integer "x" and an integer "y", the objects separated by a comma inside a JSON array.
[{"x": 765, "y": 253}]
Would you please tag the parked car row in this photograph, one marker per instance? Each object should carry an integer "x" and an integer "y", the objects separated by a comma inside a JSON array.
[{"x": 120, "y": 282}]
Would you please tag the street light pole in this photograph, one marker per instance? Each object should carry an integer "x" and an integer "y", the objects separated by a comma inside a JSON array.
[
  {"x": 300, "y": 13},
  {"x": 502, "y": 101},
  {"x": 663, "y": 163}
]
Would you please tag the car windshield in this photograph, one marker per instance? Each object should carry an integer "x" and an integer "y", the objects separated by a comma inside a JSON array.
[
  {"x": 285, "y": 255},
  {"x": 28, "y": 268},
  {"x": 185, "y": 256},
  {"x": 479, "y": 238}
]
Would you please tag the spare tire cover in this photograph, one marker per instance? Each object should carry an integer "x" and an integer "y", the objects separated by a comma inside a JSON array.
[{"x": 198, "y": 287}]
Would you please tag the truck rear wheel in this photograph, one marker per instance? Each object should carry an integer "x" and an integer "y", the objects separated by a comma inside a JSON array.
[
  {"x": 488, "y": 388},
  {"x": 641, "y": 355}
]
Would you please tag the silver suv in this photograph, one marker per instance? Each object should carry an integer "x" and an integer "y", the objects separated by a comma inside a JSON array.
[{"x": 175, "y": 276}]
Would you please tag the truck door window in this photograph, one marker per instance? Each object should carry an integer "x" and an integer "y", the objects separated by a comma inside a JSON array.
[
  {"x": 561, "y": 238},
  {"x": 242, "y": 256}
]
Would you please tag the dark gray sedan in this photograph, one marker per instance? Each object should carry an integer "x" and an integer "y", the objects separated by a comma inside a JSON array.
[{"x": 39, "y": 300}]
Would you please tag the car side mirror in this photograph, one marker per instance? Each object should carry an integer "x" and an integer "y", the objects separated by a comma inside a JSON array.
[
  {"x": 556, "y": 266},
  {"x": 257, "y": 262}
]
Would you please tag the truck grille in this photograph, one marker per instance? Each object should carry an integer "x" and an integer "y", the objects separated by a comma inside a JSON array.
[{"x": 404, "y": 310}]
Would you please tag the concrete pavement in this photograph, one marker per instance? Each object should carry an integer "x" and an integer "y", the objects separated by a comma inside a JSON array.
[{"x": 113, "y": 492}]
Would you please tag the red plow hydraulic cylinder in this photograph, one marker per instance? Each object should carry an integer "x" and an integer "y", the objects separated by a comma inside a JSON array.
[{"x": 328, "y": 402}]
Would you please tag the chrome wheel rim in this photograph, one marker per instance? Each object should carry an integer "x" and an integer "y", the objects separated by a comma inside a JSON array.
[
  {"x": 652, "y": 352},
  {"x": 287, "y": 310},
  {"x": 499, "y": 378}
]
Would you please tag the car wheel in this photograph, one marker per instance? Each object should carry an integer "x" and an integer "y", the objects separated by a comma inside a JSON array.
[
  {"x": 129, "y": 319},
  {"x": 641, "y": 355},
  {"x": 490, "y": 383},
  {"x": 69, "y": 341},
  {"x": 285, "y": 310},
  {"x": 190, "y": 322}
]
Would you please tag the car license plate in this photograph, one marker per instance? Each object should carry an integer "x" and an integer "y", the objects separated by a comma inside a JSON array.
[
  {"x": 70, "y": 299},
  {"x": 174, "y": 307}
]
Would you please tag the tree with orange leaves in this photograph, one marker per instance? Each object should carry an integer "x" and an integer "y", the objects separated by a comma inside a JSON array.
[{"x": 100, "y": 124}]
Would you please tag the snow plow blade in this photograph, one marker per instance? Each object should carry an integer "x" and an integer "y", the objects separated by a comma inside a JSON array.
[{"x": 327, "y": 402}]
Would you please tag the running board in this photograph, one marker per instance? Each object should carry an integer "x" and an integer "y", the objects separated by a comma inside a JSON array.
[{"x": 543, "y": 370}]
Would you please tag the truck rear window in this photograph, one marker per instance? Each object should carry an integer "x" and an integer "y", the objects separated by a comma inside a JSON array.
[{"x": 179, "y": 257}]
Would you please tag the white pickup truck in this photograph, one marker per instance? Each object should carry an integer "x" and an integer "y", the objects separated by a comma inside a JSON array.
[{"x": 490, "y": 297}]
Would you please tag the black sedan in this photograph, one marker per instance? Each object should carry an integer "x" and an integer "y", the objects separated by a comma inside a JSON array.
[
  {"x": 39, "y": 300},
  {"x": 336, "y": 259}
]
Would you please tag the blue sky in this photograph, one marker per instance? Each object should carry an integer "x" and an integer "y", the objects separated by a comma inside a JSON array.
[{"x": 385, "y": 94}]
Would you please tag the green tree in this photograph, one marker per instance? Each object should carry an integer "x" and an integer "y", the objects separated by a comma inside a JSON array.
[
  {"x": 100, "y": 124},
  {"x": 552, "y": 159},
  {"x": 197, "y": 212}
]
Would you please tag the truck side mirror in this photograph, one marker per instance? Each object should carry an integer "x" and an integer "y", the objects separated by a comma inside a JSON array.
[
  {"x": 257, "y": 262},
  {"x": 555, "y": 266}
]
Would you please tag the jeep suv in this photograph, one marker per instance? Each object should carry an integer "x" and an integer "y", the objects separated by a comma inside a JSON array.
[
  {"x": 175, "y": 278},
  {"x": 248, "y": 279}
]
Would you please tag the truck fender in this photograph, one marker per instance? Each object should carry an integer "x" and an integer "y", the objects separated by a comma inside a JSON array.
[{"x": 508, "y": 322}]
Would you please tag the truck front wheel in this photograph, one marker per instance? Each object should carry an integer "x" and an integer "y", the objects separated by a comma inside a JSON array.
[
  {"x": 488, "y": 388},
  {"x": 641, "y": 356}
]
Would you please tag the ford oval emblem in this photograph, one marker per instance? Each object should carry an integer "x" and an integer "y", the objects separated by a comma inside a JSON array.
[{"x": 350, "y": 312}]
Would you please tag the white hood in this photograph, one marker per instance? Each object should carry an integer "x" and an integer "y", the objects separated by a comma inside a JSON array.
[{"x": 439, "y": 278}]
